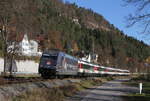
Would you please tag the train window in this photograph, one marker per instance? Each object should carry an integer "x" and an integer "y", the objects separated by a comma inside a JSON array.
[{"x": 86, "y": 66}]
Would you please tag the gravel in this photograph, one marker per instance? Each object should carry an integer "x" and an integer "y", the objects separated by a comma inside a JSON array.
[{"x": 109, "y": 91}]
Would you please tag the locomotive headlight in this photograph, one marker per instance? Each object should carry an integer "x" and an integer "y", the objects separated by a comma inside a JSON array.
[{"x": 48, "y": 63}]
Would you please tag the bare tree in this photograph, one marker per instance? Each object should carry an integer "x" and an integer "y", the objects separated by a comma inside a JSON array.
[
  {"x": 9, "y": 46},
  {"x": 141, "y": 15},
  {"x": 4, "y": 17}
]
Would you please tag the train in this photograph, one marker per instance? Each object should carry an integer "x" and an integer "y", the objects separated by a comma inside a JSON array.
[{"x": 58, "y": 63}]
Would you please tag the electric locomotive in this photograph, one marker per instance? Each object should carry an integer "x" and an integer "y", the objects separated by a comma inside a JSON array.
[{"x": 54, "y": 62}]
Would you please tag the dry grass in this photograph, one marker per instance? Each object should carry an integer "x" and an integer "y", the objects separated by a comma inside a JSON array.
[
  {"x": 57, "y": 93},
  {"x": 41, "y": 94}
]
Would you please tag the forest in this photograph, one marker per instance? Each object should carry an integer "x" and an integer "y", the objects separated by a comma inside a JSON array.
[{"x": 55, "y": 24}]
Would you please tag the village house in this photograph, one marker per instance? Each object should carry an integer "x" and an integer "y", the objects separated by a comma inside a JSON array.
[{"x": 28, "y": 47}]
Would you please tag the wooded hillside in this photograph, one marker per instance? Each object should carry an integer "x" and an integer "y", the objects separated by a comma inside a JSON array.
[{"x": 67, "y": 27}]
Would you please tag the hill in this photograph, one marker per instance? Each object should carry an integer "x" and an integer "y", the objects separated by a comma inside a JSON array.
[{"x": 65, "y": 26}]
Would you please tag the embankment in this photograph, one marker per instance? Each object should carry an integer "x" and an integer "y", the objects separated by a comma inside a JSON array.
[{"x": 55, "y": 89}]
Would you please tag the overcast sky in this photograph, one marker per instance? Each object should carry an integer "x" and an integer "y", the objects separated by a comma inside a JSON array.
[{"x": 114, "y": 12}]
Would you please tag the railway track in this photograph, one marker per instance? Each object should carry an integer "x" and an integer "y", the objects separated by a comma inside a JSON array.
[{"x": 16, "y": 80}]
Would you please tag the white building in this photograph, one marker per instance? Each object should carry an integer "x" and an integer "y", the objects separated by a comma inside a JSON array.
[
  {"x": 90, "y": 58},
  {"x": 28, "y": 47}
]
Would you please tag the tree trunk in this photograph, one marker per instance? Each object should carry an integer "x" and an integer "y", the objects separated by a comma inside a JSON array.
[
  {"x": 5, "y": 58},
  {"x": 11, "y": 65}
]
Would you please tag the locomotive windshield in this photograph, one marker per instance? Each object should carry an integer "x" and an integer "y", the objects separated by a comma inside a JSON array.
[
  {"x": 52, "y": 57},
  {"x": 49, "y": 59}
]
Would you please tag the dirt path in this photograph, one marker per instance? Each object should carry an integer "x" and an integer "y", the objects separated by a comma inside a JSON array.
[{"x": 110, "y": 91}]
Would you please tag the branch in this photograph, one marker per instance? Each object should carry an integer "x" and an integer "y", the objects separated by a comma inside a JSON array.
[
  {"x": 144, "y": 5},
  {"x": 135, "y": 19},
  {"x": 146, "y": 26},
  {"x": 140, "y": 4},
  {"x": 139, "y": 17}
]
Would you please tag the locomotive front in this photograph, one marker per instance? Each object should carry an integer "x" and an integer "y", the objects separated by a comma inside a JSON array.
[{"x": 48, "y": 62}]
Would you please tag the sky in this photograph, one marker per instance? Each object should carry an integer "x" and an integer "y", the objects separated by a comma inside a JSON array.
[{"x": 114, "y": 12}]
